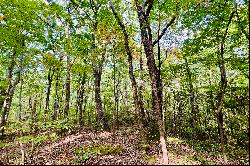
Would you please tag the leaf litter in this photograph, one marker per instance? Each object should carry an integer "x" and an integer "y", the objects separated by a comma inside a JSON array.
[{"x": 62, "y": 151}]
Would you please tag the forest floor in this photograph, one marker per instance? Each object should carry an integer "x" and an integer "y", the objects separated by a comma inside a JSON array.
[{"x": 90, "y": 147}]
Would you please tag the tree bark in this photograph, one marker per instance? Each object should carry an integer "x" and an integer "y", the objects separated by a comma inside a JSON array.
[
  {"x": 50, "y": 78},
  {"x": 137, "y": 100},
  {"x": 80, "y": 95},
  {"x": 34, "y": 112},
  {"x": 144, "y": 120},
  {"x": 56, "y": 102},
  {"x": 222, "y": 89},
  {"x": 98, "y": 76},
  {"x": 156, "y": 83},
  {"x": 191, "y": 94},
  {"x": 9, "y": 93},
  {"x": 115, "y": 95},
  {"x": 19, "y": 113},
  {"x": 67, "y": 83},
  {"x": 30, "y": 108},
  {"x": 97, "y": 71},
  {"x": 67, "y": 90}
]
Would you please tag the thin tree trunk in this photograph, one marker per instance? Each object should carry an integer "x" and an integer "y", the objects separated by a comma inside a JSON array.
[
  {"x": 30, "y": 110},
  {"x": 137, "y": 100},
  {"x": 67, "y": 90},
  {"x": 191, "y": 94},
  {"x": 80, "y": 99},
  {"x": 50, "y": 78},
  {"x": 115, "y": 102},
  {"x": 19, "y": 113},
  {"x": 9, "y": 93},
  {"x": 126, "y": 95},
  {"x": 34, "y": 112},
  {"x": 222, "y": 90},
  {"x": 56, "y": 103},
  {"x": 144, "y": 120},
  {"x": 40, "y": 103},
  {"x": 67, "y": 83}
]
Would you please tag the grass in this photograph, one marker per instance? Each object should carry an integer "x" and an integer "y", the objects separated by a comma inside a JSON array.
[
  {"x": 200, "y": 160},
  {"x": 209, "y": 148},
  {"x": 150, "y": 159},
  {"x": 31, "y": 139},
  {"x": 5, "y": 145},
  {"x": 86, "y": 152}
]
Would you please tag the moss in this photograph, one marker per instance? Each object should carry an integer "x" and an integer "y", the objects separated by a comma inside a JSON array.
[
  {"x": 59, "y": 162},
  {"x": 4, "y": 145},
  {"x": 174, "y": 140},
  {"x": 54, "y": 137},
  {"x": 150, "y": 159},
  {"x": 201, "y": 160},
  {"x": 31, "y": 139},
  {"x": 86, "y": 152}
]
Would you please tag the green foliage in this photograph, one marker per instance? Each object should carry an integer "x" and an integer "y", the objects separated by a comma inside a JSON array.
[
  {"x": 5, "y": 144},
  {"x": 150, "y": 159},
  {"x": 201, "y": 161},
  {"x": 86, "y": 152},
  {"x": 31, "y": 139},
  {"x": 153, "y": 134},
  {"x": 36, "y": 37}
]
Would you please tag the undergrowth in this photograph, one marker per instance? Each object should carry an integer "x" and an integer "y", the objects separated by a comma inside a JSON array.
[{"x": 86, "y": 152}]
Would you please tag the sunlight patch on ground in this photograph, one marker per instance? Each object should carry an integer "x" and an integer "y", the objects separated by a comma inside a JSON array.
[
  {"x": 68, "y": 139},
  {"x": 105, "y": 134}
]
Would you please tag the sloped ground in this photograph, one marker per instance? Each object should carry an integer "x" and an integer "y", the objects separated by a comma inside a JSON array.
[{"x": 62, "y": 151}]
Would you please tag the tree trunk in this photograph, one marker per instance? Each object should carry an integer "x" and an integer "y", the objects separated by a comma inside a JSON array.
[
  {"x": 67, "y": 83},
  {"x": 9, "y": 93},
  {"x": 80, "y": 96},
  {"x": 115, "y": 100},
  {"x": 144, "y": 120},
  {"x": 137, "y": 100},
  {"x": 98, "y": 102},
  {"x": 191, "y": 94},
  {"x": 156, "y": 83},
  {"x": 2, "y": 97},
  {"x": 126, "y": 95},
  {"x": 40, "y": 103},
  {"x": 97, "y": 71},
  {"x": 30, "y": 110},
  {"x": 34, "y": 112},
  {"x": 222, "y": 89},
  {"x": 50, "y": 78},
  {"x": 56, "y": 102},
  {"x": 67, "y": 90},
  {"x": 20, "y": 92}
]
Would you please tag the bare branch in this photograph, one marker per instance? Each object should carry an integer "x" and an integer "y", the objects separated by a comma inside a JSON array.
[
  {"x": 164, "y": 30},
  {"x": 229, "y": 21},
  {"x": 241, "y": 27},
  {"x": 150, "y": 6}
]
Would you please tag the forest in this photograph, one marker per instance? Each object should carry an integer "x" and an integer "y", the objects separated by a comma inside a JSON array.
[{"x": 123, "y": 82}]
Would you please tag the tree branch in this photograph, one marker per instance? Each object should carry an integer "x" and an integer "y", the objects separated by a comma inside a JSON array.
[
  {"x": 164, "y": 30},
  {"x": 150, "y": 6},
  {"x": 229, "y": 21},
  {"x": 117, "y": 18},
  {"x": 241, "y": 27}
]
